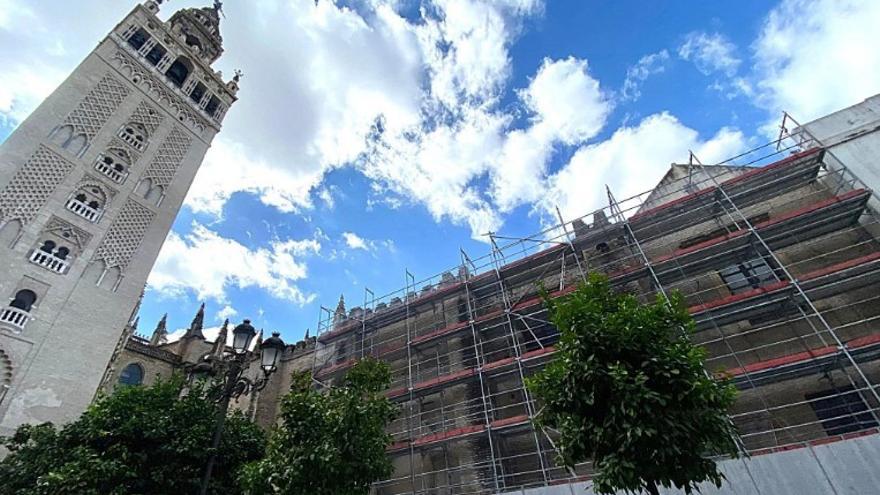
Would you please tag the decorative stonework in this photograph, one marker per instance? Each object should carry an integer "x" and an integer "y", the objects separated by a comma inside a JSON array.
[
  {"x": 92, "y": 113},
  {"x": 147, "y": 116},
  {"x": 5, "y": 374},
  {"x": 164, "y": 166},
  {"x": 143, "y": 79},
  {"x": 90, "y": 180},
  {"x": 77, "y": 236},
  {"x": 128, "y": 152},
  {"x": 32, "y": 185},
  {"x": 125, "y": 235}
]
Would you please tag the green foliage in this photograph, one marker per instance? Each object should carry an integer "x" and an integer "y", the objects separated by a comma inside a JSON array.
[
  {"x": 328, "y": 443},
  {"x": 628, "y": 390},
  {"x": 140, "y": 440}
]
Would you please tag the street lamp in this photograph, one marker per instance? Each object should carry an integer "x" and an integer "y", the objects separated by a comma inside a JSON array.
[{"x": 230, "y": 368}]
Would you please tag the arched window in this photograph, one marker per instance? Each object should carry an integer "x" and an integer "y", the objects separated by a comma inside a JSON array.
[
  {"x": 88, "y": 202},
  {"x": 138, "y": 39},
  {"x": 113, "y": 163},
  {"x": 156, "y": 54},
  {"x": 133, "y": 374},
  {"x": 62, "y": 253},
  {"x": 198, "y": 92},
  {"x": 179, "y": 71},
  {"x": 135, "y": 135},
  {"x": 213, "y": 103},
  {"x": 24, "y": 300},
  {"x": 48, "y": 247}
]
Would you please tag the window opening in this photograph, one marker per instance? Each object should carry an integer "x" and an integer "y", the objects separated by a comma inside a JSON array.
[
  {"x": 138, "y": 39},
  {"x": 156, "y": 54},
  {"x": 748, "y": 275},
  {"x": 841, "y": 410},
  {"x": 132, "y": 374},
  {"x": 24, "y": 300}
]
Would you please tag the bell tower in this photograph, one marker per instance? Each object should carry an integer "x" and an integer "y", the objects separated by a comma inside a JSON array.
[{"x": 90, "y": 184}]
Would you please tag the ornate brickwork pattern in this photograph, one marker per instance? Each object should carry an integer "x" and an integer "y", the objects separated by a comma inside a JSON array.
[
  {"x": 164, "y": 165},
  {"x": 77, "y": 236},
  {"x": 159, "y": 90},
  {"x": 126, "y": 151},
  {"x": 125, "y": 235},
  {"x": 147, "y": 116},
  {"x": 92, "y": 113},
  {"x": 32, "y": 185}
]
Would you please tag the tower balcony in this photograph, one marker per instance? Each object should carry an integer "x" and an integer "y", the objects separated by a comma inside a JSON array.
[
  {"x": 111, "y": 172},
  {"x": 83, "y": 210},
  {"x": 49, "y": 261},
  {"x": 15, "y": 317}
]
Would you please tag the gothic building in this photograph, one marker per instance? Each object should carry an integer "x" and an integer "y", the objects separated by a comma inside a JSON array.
[
  {"x": 142, "y": 360},
  {"x": 90, "y": 184}
]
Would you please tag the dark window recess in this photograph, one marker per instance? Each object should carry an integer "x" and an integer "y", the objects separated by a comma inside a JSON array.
[
  {"x": 178, "y": 72},
  {"x": 198, "y": 92},
  {"x": 722, "y": 231},
  {"x": 747, "y": 275},
  {"x": 138, "y": 39},
  {"x": 156, "y": 54},
  {"x": 841, "y": 410},
  {"x": 213, "y": 103},
  {"x": 132, "y": 374},
  {"x": 24, "y": 300},
  {"x": 341, "y": 352}
]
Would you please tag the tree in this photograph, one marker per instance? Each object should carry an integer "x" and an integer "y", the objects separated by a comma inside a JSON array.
[
  {"x": 628, "y": 390},
  {"x": 139, "y": 440},
  {"x": 331, "y": 443}
]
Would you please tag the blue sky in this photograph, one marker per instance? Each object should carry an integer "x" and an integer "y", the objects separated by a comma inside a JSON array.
[{"x": 492, "y": 115}]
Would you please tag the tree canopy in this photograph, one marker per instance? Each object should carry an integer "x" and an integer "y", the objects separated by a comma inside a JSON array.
[
  {"x": 627, "y": 389},
  {"x": 331, "y": 443},
  {"x": 139, "y": 440}
]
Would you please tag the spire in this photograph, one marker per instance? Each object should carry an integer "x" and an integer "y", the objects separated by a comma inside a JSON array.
[
  {"x": 307, "y": 334},
  {"x": 160, "y": 334},
  {"x": 339, "y": 315},
  {"x": 195, "y": 328},
  {"x": 220, "y": 343},
  {"x": 134, "y": 326}
]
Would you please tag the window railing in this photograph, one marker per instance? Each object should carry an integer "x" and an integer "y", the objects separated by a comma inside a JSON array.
[
  {"x": 48, "y": 261},
  {"x": 130, "y": 139},
  {"x": 15, "y": 317},
  {"x": 83, "y": 210},
  {"x": 109, "y": 171}
]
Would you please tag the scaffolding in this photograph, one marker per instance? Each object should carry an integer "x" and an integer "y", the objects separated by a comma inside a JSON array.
[{"x": 776, "y": 252}]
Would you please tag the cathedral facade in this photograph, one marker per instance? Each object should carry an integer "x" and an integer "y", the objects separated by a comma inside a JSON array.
[{"x": 90, "y": 184}]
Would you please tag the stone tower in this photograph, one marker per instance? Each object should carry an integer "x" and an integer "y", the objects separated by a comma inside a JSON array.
[{"x": 90, "y": 184}]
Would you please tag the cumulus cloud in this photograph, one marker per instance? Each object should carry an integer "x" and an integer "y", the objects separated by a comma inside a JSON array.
[
  {"x": 815, "y": 57},
  {"x": 632, "y": 161},
  {"x": 207, "y": 264},
  {"x": 568, "y": 107},
  {"x": 654, "y": 63},
  {"x": 226, "y": 312},
  {"x": 710, "y": 53},
  {"x": 354, "y": 241}
]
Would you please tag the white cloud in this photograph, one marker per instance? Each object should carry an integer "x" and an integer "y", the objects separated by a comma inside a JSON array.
[
  {"x": 354, "y": 241},
  {"x": 654, "y": 63},
  {"x": 632, "y": 161},
  {"x": 225, "y": 312},
  {"x": 207, "y": 264},
  {"x": 567, "y": 107},
  {"x": 815, "y": 57},
  {"x": 710, "y": 53}
]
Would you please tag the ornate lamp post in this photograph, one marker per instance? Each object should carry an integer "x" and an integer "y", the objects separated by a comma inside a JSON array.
[{"x": 230, "y": 369}]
